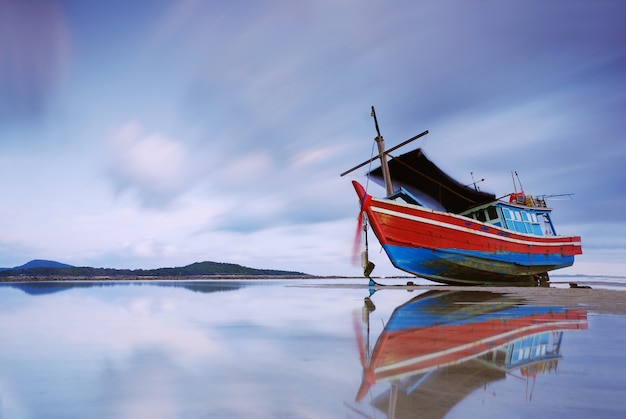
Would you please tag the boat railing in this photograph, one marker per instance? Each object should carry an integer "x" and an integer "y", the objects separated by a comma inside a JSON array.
[{"x": 406, "y": 196}]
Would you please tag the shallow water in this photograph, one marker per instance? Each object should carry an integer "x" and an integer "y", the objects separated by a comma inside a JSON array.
[{"x": 297, "y": 349}]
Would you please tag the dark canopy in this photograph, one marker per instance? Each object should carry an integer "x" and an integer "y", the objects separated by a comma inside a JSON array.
[{"x": 418, "y": 175}]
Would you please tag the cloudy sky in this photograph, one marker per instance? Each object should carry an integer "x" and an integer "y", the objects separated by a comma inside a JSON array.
[{"x": 160, "y": 133}]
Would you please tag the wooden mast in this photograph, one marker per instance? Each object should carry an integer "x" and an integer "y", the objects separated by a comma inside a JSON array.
[{"x": 383, "y": 156}]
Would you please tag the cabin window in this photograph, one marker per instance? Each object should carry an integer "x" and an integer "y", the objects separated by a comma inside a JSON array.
[
  {"x": 519, "y": 224},
  {"x": 508, "y": 218},
  {"x": 532, "y": 224},
  {"x": 523, "y": 221},
  {"x": 486, "y": 215}
]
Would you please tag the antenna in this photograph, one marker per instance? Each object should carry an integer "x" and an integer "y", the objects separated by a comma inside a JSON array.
[
  {"x": 514, "y": 184},
  {"x": 475, "y": 182},
  {"x": 519, "y": 181}
]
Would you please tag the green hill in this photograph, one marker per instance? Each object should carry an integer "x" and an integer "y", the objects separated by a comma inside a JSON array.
[{"x": 193, "y": 270}]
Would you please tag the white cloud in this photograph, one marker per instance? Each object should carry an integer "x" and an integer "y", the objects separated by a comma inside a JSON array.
[{"x": 153, "y": 166}]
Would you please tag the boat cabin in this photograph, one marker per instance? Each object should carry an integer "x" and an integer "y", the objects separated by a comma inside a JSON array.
[
  {"x": 524, "y": 214},
  {"x": 418, "y": 181},
  {"x": 521, "y": 218}
]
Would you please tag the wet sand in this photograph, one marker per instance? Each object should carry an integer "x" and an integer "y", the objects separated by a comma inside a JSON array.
[
  {"x": 606, "y": 301},
  {"x": 598, "y": 300}
]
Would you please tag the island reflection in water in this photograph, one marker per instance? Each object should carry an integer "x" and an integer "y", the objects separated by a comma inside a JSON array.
[{"x": 441, "y": 346}]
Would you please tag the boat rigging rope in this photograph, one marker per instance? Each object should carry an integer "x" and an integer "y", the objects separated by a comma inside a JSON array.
[
  {"x": 366, "y": 264},
  {"x": 369, "y": 167}
]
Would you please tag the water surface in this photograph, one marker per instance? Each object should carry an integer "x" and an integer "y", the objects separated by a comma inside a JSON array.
[{"x": 297, "y": 349}]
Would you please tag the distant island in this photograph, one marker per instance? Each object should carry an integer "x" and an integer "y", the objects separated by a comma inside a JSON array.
[{"x": 49, "y": 269}]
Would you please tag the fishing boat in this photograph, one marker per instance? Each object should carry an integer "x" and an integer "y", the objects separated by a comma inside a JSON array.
[{"x": 434, "y": 227}]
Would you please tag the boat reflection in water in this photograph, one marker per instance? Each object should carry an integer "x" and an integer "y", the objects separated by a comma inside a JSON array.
[{"x": 440, "y": 346}]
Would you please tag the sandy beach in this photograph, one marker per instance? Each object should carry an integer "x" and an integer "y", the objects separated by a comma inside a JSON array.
[{"x": 598, "y": 300}]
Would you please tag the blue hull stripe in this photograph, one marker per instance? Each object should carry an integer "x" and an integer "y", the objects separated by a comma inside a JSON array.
[
  {"x": 470, "y": 265},
  {"x": 417, "y": 315}
]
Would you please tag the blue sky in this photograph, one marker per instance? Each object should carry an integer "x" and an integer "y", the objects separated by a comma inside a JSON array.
[{"x": 160, "y": 133}]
